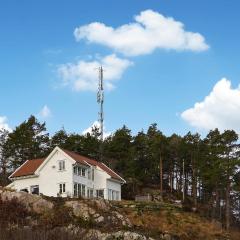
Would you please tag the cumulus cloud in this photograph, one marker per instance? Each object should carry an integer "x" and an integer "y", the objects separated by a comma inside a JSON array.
[
  {"x": 83, "y": 76},
  {"x": 96, "y": 124},
  {"x": 4, "y": 124},
  {"x": 220, "y": 109},
  {"x": 45, "y": 112},
  {"x": 150, "y": 31}
]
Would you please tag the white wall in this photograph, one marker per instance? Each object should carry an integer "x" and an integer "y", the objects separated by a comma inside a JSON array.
[
  {"x": 24, "y": 183},
  {"x": 114, "y": 185},
  {"x": 100, "y": 180},
  {"x": 50, "y": 177}
]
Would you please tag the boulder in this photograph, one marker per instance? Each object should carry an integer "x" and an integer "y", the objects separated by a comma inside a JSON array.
[
  {"x": 101, "y": 204},
  {"x": 32, "y": 202},
  {"x": 123, "y": 235},
  {"x": 80, "y": 209}
]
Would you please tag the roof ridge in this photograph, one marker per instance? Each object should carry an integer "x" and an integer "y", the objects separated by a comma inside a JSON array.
[
  {"x": 78, "y": 154},
  {"x": 37, "y": 159}
]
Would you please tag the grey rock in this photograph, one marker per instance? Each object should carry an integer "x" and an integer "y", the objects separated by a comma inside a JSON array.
[{"x": 32, "y": 202}]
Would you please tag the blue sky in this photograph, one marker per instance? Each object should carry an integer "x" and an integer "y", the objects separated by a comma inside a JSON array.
[{"x": 159, "y": 85}]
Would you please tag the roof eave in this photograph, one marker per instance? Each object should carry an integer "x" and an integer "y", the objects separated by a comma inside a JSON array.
[
  {"x": 23, "y": 177},
  {"x": 117, "y": 180}
]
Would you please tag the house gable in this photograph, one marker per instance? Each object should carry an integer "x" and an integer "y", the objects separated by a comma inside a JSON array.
[
  {"x": 58, "y": 151},
  {"x": 51, "y": 176},
  {"x": 85, "y": 160},
  {"x": 34, "y": 166}
]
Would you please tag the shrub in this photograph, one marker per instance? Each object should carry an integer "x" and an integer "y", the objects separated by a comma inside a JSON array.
[
  {"x": 13, "y": 212},
  {"x": 57, "y": 217}
]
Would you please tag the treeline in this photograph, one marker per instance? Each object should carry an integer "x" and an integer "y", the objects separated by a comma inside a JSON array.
[{"x": 203, "y": 171}]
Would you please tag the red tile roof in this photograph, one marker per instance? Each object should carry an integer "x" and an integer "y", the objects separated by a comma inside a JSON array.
[
  {"x": 81, "y": 159},
  {"x": 28, "y": 168}
]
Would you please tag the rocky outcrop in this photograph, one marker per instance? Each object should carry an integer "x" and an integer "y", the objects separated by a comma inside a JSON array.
[
  {"x": 98, "y": 235},
  {"x": 93, "y": 219},
  {"x": 117, "y": 235},
  {"x": 98, "y": 211},
  {"x": 33, "y": 203}
]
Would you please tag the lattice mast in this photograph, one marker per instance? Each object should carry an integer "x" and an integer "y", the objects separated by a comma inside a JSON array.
[{"x": 100, "y": 100}]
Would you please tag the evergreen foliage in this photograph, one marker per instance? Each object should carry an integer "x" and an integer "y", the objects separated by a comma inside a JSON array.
[{"x": 211, "y": 176}]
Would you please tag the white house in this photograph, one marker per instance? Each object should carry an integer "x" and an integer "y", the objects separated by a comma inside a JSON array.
[{"x": 65, "y": 173}]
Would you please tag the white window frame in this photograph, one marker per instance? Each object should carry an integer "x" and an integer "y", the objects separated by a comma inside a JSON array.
[
  {"x": 61, "y": 165},
  {"x": 109, "y": 194},
  {"x": 93, "y": 174},
  {"x": 83, "y": 172},
  {"x": 62, "y": 188},
  {"x": 89, "y": 172},
  {"x": 98, "y": 193},
  {"x": 79, "y": 171},
  {"x": 90, "y": 192},
  {"x": 75, "y": 170},
  {"x": 113, "y": 195},
  {"x": 79, "y": 190}
]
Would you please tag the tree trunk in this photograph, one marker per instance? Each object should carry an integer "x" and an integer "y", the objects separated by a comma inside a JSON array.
[
  {"x": 183, "y": 182},
  {"x": 161, "y": 175},
  {"x": 194, "y": 182},
  {"x": 227, "y": 213}
]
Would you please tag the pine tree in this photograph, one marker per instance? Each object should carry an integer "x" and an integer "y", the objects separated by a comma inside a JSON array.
[
  {"x": 230, "y": 156},
  {"x": 59, "y": 139},
  {"x": 4, "y": 164},
  {"x": 29, "y": 140}
]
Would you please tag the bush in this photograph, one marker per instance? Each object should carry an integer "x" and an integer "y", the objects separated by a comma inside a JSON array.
[
  {"x": 59, "y": 216},
  {"x": 13, "y": 212}
]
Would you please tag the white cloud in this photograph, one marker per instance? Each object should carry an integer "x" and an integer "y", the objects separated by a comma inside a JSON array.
[
  {"x": 83, "y": 75},
  {"x": 150, "y": 31},
  {"x": 45, "y": 112},
  {"x": 220, "y": 109},
  {"x": 4, "y": 124},
  {"x": 96, "y": 124}
]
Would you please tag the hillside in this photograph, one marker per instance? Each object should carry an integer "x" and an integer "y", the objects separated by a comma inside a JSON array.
[{"x": 26, "y": 216}]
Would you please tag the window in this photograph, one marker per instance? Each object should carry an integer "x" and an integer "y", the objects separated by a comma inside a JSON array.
[
  {"x": 80, "y": 171},
  {"x": 24, "y": 190},
  {"x": 100, "y": 193},
  {"x": 83, "y": 172},
  {"x": 79, "y": 190},
  {"x": 61, "y": 165},
  {"x": 83, "y": 190},
  {"x": 93, "y": 174},
  {"x": 34, "y": 189},
  {"x": 62, "y": 188},
  {"x": 90, "y": 193},
  {"x": 109, "y": 194},
  {"x": 75, "y": 190},
  {"x": 117, "y": 196},
  {"x": 89, "y": 173},
  {"x": 113, "y": 195}
]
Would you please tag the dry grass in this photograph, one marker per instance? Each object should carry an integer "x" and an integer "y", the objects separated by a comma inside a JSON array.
[
  {"x": 235, "y": 235},
  {"x": 184, "y": 225}
]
